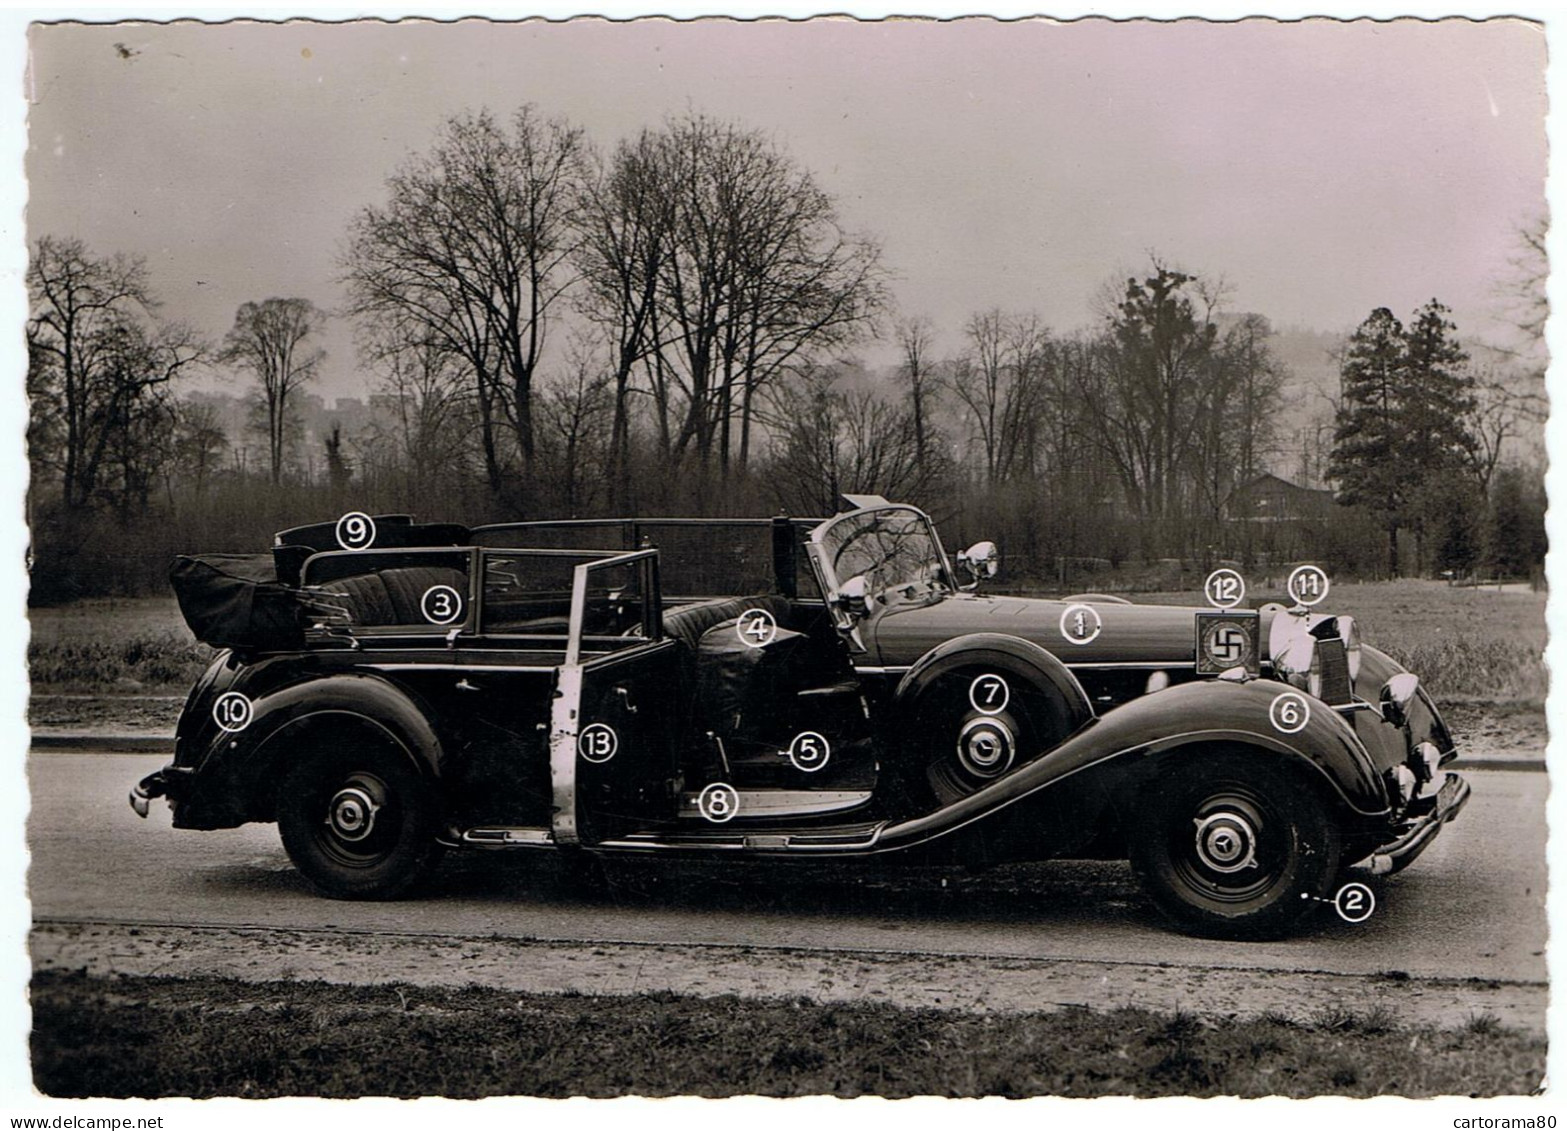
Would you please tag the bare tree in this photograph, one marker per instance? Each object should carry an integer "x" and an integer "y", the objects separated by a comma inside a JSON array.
[
  {"x": 719, "y": 265},
  {"x": 93, "y": 361},
  {"x": 916, "y": 340},
  {"x": 271, "y": 340},
  {"x": 626, "y": 233},
  {"x": 828, "y": 442},
  {"x": 1002, "y": 383},
  {"x": 474, "y": 245}
]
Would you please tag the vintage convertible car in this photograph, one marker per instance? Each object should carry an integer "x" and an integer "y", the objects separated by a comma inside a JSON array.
[{"x": 809, "y": 689}]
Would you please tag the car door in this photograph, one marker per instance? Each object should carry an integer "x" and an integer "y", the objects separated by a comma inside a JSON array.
[{"x": 614, "y": 763}]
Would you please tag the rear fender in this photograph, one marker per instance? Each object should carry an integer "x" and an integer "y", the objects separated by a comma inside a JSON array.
[{"x": 238, "y": 771}]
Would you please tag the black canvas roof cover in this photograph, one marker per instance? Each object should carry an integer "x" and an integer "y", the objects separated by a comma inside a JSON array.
[{"x": 237, "y": 601}]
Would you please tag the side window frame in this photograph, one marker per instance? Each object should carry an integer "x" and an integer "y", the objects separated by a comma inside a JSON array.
[{"x": 431, "y": 632}]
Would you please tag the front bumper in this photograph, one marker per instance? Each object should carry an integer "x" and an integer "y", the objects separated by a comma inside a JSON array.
[{"x": 1400, "y": 853}]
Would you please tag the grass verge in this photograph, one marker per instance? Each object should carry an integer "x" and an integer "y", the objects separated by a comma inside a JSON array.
[{"x": 203, "y": 1037}]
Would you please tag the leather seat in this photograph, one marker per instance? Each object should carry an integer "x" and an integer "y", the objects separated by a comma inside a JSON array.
[
  {"x": 391, "y": 596},
  {"x": 688, "y": 622}
]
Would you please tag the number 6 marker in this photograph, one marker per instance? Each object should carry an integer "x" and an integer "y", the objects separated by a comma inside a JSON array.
[{"x": 1289, "y": 712}]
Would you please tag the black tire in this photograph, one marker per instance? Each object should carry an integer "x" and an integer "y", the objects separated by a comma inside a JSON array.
[
  {"x": 359, "y": 820},
  {"x": 1235, "y": 845}
]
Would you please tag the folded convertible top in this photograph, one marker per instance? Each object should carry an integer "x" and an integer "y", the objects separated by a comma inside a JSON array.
[{"x": 237, "y": 601}]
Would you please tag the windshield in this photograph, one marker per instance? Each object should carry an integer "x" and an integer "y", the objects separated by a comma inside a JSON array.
[{"x": 893, "y": 548}]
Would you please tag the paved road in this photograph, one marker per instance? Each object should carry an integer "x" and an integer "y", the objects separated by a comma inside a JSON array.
[{"x": 1473, "y": 906}]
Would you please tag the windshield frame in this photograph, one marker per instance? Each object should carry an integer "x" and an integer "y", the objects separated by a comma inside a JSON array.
[{"x": 823, "y": 552}]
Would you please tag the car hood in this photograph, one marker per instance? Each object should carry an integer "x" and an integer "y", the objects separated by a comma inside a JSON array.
[{"x": 1129, "y": 634}]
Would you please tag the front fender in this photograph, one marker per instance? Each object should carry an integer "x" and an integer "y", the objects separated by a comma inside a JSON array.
[
  {"x": 236, "y": 772},
  {"x": 1185, "y": 717},
  {"x": 1006, "y": 653}
]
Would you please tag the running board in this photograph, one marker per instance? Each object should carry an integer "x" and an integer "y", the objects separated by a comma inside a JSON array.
[
  {"x": 508, "y": 837},
  {"x": 783, "y": 802},
  {"x": 715, "y": 838}
]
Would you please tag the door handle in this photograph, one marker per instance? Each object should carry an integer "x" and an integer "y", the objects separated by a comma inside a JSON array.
[
  {"x": 464, "y": 685},
  {"x": 625, "y": 700}
]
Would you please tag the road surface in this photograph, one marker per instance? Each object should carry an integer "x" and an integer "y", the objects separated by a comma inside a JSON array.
[{"x": 1472, "y": 908}]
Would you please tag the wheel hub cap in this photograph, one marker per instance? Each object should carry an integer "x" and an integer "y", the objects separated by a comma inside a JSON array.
[
  {"x": 1226, "y": 842},
  {"x": 351, "y": 815},
  {"x": 986, "y": 746}
]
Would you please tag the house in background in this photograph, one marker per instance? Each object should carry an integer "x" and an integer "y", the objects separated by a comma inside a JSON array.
[{"x": 1270, "y": 499}]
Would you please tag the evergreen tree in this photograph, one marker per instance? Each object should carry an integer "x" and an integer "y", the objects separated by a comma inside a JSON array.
[
  {"x": 1401, "y": 435},
  {"x": 1366, "y": 438}
]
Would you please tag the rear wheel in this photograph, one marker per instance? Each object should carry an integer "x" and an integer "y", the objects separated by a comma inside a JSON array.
[
  {"x": 1234, "y": 845},
  {"x": 359, "y": 822}
]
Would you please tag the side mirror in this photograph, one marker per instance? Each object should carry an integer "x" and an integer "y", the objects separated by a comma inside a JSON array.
[
  {"x": 982, "y": 560},
  {"x": 851, "y": 596},
  {"x": 849, "y": 604}
]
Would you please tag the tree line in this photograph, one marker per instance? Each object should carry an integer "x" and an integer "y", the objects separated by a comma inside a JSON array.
[{"x": 676, "y": 325}]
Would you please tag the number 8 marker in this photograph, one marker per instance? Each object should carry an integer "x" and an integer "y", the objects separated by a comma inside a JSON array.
[{"x": 718, "y": 802}]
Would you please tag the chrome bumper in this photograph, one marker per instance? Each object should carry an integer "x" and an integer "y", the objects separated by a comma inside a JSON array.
[
  {"x": 155, "y": 785},
  {"x": 1399, "y": 854}
]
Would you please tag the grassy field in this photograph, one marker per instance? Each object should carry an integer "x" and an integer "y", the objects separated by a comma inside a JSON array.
[
  {"x": 1466, "y": 644},
  {"x": 211, "y": 1037},
  {"x": 127, "y": 645}
]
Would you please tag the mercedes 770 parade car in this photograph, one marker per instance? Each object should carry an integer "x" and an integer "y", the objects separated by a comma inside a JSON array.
[{"x": 790, "y": 689}]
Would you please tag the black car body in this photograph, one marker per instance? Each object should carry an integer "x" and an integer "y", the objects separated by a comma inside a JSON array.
[{"x": 840, "y": 693}]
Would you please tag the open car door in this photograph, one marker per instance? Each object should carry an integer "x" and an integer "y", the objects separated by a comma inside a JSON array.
[{"x": 614, "y": 764}]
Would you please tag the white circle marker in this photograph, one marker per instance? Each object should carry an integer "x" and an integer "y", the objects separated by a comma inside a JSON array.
[
  {"x": 597, "y": 743},
  {"x": 232, "y": 711},
  {"x": 1225, "y": 588},
  {"x": 441, "y": 604},
  {"x": 1354, "y": 903},
  {"x": 809, "y": 751},
  {"x": 1308, "y": 585},
  {"x": 756, "y": 628},
  {"x": 718, "y": 802},
  {"x": 355, "y": 531},
  {"x": 1289, "y": 712},
  {"x": 1080, "y": 624},
  {"x": 989, "y": 694}
]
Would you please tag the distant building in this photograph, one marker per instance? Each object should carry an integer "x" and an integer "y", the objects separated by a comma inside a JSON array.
[{"x": 1269, "y": 498}]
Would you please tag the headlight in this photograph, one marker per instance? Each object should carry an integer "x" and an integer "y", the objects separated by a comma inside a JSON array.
[{"x": 1291, "y": 649}]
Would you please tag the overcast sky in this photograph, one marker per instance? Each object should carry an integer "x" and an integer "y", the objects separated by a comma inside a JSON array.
[{"x": 1322, "y": 169}]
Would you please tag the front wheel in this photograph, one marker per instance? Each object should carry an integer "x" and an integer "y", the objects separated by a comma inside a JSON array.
[
  {"x": 359, "y": 822},
  {"x": 1235, "y": 846}
]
